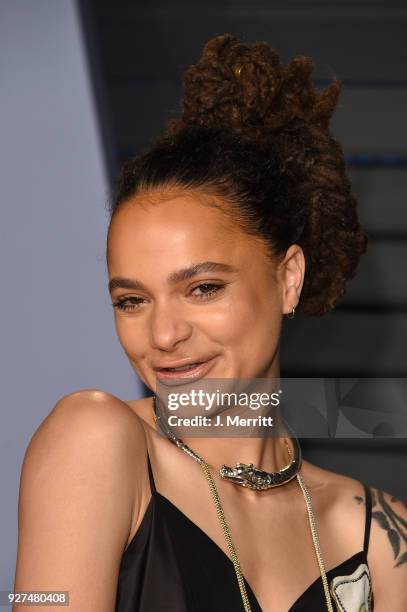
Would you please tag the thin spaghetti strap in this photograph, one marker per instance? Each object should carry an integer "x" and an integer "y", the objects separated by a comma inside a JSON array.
[
  {"x": 368, "y": 501},
  {"x": 150, "y": 475}
]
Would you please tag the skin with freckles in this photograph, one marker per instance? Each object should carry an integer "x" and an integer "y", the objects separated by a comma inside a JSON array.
[
  {"x": 151, "y": 237},
  {"x": 238, "y": 322},
  {"x": 85, "y": 487},
  {"x": 234, "y": 316}
]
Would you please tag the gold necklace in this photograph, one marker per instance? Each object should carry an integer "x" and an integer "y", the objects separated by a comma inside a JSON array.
[{"x": 225, "y": 527}]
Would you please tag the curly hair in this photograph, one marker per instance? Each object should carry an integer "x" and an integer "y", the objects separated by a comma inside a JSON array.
[{"x": 256, "y": 133}]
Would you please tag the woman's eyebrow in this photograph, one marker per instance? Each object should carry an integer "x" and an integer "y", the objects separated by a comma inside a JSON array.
[{"x": 178, "y": 276}]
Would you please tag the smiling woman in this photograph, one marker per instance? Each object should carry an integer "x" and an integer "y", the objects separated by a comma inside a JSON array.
[
  {"x": 202, "y": 309},
  {"x": 241, "y": 212}
]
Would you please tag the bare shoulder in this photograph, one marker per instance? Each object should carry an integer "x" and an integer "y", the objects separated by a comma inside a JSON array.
[
  {"x": 339, "y": 501},
  {"x": 387, "y": 545},
  {"x": 387, "y": 556},
  {"x": 79, "y": 493},
  {"x": 91, "y": 405},
  {"x": 86, "y": 421},
  {"x": 338, "y": 492}
]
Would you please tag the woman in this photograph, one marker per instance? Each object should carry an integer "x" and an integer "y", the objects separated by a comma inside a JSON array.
[{"x": 239, "y": 214}]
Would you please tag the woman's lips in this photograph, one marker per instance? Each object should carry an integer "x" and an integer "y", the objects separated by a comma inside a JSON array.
[{"x": 191, "y": 374}]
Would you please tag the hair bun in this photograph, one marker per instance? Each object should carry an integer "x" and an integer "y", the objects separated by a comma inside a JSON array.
[{"x": 245, "y": 88}]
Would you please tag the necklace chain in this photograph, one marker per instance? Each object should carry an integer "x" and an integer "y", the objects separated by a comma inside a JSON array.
[{"x": 225, "y": 527}]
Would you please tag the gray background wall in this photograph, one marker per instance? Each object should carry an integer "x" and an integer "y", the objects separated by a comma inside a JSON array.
[{"x": 56, "y": 322}]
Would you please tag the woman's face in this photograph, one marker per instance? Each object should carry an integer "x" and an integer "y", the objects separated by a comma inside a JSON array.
[{"x": 228, "y": 314}]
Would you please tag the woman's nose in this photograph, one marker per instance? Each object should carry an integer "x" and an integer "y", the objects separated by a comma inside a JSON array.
[{"x": 168, "y": 327}]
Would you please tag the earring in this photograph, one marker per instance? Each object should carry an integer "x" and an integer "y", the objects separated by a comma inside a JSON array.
[{"x": 291, "y": 316}]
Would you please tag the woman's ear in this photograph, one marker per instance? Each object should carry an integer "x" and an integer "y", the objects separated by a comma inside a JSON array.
[{"x": 291, "y": 272}]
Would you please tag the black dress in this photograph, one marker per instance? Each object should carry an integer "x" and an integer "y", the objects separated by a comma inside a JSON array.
[{"x": 171, "y": 565}]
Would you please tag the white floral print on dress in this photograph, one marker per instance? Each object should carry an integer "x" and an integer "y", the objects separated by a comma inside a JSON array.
[{"x": 353, "y": 593}]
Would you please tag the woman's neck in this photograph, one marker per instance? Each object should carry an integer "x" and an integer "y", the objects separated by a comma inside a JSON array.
[
  {"x": 266, "y": 453},
  {"x": 252, "y": 438}
]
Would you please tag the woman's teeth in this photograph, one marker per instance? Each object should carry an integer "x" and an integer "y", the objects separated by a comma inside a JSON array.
[{"x": 182, "y": 368}]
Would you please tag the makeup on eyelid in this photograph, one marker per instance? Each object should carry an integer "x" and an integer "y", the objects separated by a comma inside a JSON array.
[{"x": 119, "y": 304}]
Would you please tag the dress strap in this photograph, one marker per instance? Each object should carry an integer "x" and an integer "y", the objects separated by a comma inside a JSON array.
[
  {"x": 368, "y": 502},
  {"x": 150, "y": 475}
]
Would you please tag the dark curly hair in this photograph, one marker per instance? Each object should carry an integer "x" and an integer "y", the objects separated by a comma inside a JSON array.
[{"x": 256, "y": 134}]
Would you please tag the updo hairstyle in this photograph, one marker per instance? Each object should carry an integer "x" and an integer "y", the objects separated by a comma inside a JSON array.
[{"x": 256, "y": 134}]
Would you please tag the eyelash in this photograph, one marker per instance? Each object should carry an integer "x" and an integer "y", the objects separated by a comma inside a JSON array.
[{"x": 215, "y": 289}]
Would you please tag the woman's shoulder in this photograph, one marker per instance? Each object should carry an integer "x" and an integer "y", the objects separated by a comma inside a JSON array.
[
  {"x": 341, "y": 490},
  {"x": 333, "y": 486},
  {"x": 90, "y": 412},
  {"x": 338, "y": 486},
  {"x": 388, "y": 550},
  {"x": 80, "y": 495},
  {"x": 340, "y": 502},
  {"x": 89, "y": 426},
  {"x": 354, "y": 504},
  {"x": 90, "y": 419},
  {"x": 94, "y": 428}
]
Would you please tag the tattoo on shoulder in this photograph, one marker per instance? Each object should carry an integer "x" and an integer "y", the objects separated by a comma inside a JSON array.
[{"x": 389, "y": 519}]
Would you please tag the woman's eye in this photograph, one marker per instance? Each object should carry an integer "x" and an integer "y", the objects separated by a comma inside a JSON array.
[
  {"x": 210, "y": 290},
  {"x": 124, "y": 306},
  {"x": 130, "y": 304}
]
